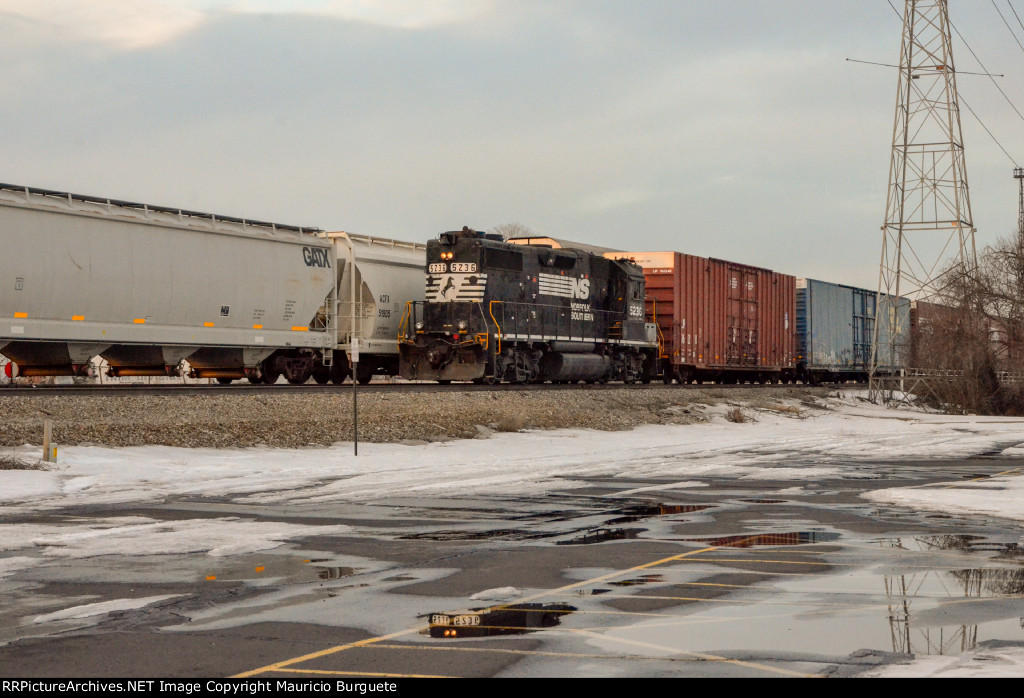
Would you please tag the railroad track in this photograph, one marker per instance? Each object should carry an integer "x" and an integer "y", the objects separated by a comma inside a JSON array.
[{"x": 313, "y": 388}]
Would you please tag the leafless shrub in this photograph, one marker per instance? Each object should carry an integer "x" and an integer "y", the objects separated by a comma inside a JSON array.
[
  {"x": 736, "y": 415},
  {"x": 791, "y": 410},
  {"x": 9, "y": 461}
]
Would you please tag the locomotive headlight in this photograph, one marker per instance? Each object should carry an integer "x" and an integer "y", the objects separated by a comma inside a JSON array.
[
  {"x": 462, "y": 325},
  {"x": 419, "y": 325}
]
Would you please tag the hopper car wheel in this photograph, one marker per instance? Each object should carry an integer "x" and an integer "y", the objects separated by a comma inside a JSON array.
[
  {"x": 339, "y": 372},
  {"x": 445, "y": 382},
  {"x": 270, "y": 376},
  {"x": 364, "y": 375},
  {"x": 321, "y": 374},
  {"x": 225, "y": 381},
  {"x": 298, "y": 378}
]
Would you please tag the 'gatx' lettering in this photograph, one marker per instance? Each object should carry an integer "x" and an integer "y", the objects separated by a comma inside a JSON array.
[{"x": 316, "y": 257}]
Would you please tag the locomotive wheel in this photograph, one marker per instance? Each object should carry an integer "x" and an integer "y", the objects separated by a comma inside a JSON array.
[
  {"x": 225, "y": 381},
  {"x": 444, "y": 382}
]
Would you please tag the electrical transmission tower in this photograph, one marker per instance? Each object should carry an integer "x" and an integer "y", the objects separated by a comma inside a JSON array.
[{"x": 928, "y": 237}]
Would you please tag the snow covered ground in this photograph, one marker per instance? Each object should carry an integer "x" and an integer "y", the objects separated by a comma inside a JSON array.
[{"x": 776, "y": 444}]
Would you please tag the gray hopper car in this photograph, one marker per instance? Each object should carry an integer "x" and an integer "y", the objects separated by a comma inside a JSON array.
[
  {"x": 387, "y": 274},
  {"x": 147, "y": 287},
  {"x": 150, "y": 289}
]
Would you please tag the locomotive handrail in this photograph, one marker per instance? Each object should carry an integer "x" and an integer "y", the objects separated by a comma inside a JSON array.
[
  {"x": 551, "y": 320},
  {"x": 497, "y": 325},
  {"x": 406, "y": 316},
  {"x": 661, "y": 335}
]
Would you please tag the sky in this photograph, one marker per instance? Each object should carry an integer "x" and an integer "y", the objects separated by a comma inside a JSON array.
[{"x": 733, "y": 130}]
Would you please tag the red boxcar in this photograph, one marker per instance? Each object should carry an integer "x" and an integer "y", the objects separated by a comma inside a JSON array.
[{"x": 719, "y": 320}]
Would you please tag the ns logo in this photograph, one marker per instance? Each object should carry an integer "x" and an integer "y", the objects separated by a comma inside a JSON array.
[
  {"x": 581, "y": 289},
  {"x": 316, "y": 257}
]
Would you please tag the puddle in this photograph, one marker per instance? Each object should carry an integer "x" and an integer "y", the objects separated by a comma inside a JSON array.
[
  {"x": 514, "y": 619},
  {"x": 335, "y": 572},
  {"x": 457, "y": 535},
  {"x": 960, "y": 542},
  {"x": 639, "y": 581},
  {"x": 633, "y": 514},
  {"x": 769, "y": 539},
  {"x": 926, "y": 612},
  {"x": 603, "y": 534}
]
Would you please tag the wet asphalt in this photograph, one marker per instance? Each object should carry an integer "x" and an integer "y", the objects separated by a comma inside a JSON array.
[{"x": 736, "y": 578}]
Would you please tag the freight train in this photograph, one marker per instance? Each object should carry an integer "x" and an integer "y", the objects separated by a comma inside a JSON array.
[{"x": 156, "y": 290}]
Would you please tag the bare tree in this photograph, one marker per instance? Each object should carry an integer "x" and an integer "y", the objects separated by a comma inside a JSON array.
[
  {"x": 512, "y": 230},
  {"x": 972, "y": 333}
]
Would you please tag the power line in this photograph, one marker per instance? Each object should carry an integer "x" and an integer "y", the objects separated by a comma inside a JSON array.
[
  {"x": 1015, "y": 14},
  {"x": 892, "y": 65},
  {"x": 991, "y": 135},
  {"x": 1012, "y": 33}
]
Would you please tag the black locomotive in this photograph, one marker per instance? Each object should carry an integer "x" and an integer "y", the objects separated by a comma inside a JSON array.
[{"x": 521, "y": 313}]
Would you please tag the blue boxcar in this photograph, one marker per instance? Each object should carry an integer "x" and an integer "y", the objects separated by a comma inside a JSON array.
[{"x": 834, "y": 325}]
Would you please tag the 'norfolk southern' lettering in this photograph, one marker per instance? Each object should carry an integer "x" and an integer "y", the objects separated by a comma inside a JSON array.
[{"x": 316, "y": 257}]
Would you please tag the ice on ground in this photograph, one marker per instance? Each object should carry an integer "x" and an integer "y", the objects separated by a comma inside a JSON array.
[
  {"x": 980, "y": 663},
  {"x": 1001, "y": 496},
  {"x": 135, "y": 535},
  {"x": 499, "y": 594},
  {"x": 28, "y": 484},
  {"x": 101, "y": 608},
  {"x": 776, "y": 447}
]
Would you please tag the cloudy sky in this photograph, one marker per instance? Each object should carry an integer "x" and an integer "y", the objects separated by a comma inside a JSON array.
[{"x": 735, "y": 130}]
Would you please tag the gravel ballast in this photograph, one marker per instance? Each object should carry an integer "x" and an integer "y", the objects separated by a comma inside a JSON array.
[{"x": 321, "y": 419}]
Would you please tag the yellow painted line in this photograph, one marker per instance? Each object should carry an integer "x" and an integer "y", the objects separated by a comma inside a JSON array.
[
  {"x": 612, "y": 575},
  {"x": 365, "y": 673},
  {"x": 981, "y": 479},
  {"x": 445, "y": 647},
  {"x": 77, "y": 318},
  {"x": 21, "y": 316},
  {"x": 774, "y": 562},
  {"x": 139, "y": 321},
  {"x": 280, "y": 666},
  {"x": 699, "y": 655},
  {"x": 374, "y": 640}
]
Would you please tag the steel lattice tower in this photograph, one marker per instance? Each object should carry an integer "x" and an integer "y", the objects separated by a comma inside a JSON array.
[{"x": 928, "y": 236}]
